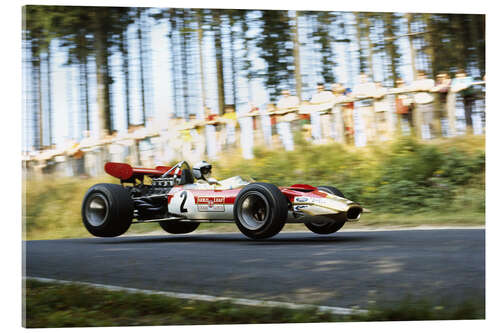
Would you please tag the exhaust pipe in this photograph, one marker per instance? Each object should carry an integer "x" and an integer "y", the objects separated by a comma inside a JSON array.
[{"x": 354, "y": 213}]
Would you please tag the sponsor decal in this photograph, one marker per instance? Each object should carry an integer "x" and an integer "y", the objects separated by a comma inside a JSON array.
[
  {"x": 210, "y": 204},
  {"x": 301, "y": 199},
  {"x": 298, "y": 208}
]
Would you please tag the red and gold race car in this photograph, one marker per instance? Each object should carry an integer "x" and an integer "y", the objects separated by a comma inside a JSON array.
[{"x": 179, "y": 198}]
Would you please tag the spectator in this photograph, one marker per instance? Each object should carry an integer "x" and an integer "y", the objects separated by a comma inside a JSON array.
[
  {"x": 462, "y": 86},
  {"x": 246, "y": 125},
  {"x": 287, "y": 101},
  {"x": 211, "y": 122},
  {"x": 381, "y": 108},
  {"x": 348, "y": 115},
  {"x": 89, "y": 146},
  {"x": 266, "y": 124},
  {"x": 287, "y": 106},
  {"x": 404, "y": 107},
  {"x": 441, "y": 88},
  {"x": 424, "y": 101},
  {"x": 228, "y": 137},
  {"x": 320, "y": 103},
  {"x": 363, "y": 106},
  {"x": 193, "y": 142},
  {"x": 338, "y": 127},
  {"x": 170, "y": 142}
]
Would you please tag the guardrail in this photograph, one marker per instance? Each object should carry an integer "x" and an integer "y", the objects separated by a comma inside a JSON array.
[{"x": 357, "y": 120}]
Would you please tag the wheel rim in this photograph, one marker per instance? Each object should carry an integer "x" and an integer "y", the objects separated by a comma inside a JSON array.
[
  {"x": 97, "y": 210},
  {"x": 254, "y": 210}
]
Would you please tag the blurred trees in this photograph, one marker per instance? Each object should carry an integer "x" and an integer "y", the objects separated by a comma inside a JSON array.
[
  {"x": 217, "y": 56},
  {"x": 276, "y": 49},
  {"x": 39, "y": 32}
]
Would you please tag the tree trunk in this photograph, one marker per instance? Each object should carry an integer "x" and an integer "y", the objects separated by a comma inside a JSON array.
[
  {"x": 347, "y": 52},
  {"x": 173, "y": 61},
  {"x": 409, "y": 18},
  {"x": 479, "y": 26},
  {"x": 141, "y": 64},
  {"x": 370, "y": 48},
  {"x": 296, "y": 56},
  {"x": 125, "y": 70},
  {"x": 184, "y": 58},
  {"x": 233, "y": 63},
  {"x": 37, "y": 86},
  {"x": 429, "y": 47},
  {"x": 359, "y": 36},
  {"x": 49, "y": 95},
  {"x": 102, "y": 74},
  {"x": 83, "y": 77},
  {"x": 389, "y": 46},
  {"x": 199, "y": 16},
  {"x": 218, "y": 61},
  {"x": 69, "y": 100},
  {"x": 40, "y": 105},
  {"x": 86, "y": 87}
]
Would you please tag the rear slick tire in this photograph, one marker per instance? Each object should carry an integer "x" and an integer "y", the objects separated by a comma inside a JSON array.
[
  {"x": 325, "y": 226},
  {"x": 260, "y": 210},
  {"x": 107, "y": 210}
]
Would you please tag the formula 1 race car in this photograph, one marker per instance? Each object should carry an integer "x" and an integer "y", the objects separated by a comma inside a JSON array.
[{"x": 180, "y": 198}]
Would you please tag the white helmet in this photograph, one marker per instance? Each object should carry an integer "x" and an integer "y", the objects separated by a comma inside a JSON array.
[{"x": 202, "y": 170}]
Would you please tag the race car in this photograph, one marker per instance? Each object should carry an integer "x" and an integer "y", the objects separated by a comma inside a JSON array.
[{"x": 179, "y": 198}]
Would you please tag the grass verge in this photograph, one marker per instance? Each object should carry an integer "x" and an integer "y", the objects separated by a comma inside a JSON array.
[
  {"x": 74, "y": 305},
  {"x": 405, "y": 183}
]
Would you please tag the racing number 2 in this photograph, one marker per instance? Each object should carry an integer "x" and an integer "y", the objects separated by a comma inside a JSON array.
[{"x": 183, "y": 195}]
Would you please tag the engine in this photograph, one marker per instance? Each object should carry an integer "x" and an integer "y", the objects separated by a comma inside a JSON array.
[{"x": 150, "y": 201}]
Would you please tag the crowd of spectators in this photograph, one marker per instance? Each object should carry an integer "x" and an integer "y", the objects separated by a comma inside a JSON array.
[{"x": 366, "y": 114}]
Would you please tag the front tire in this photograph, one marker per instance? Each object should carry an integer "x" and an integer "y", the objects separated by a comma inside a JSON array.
[
  {"x": 260, "y": 210},
  {"x": 107, "y": 210},
  {"x": 179, "y": 227},
  {"x": 325, "y": 226}
]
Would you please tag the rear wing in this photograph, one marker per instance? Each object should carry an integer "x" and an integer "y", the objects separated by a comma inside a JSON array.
[{"x": 127, "y": 173}]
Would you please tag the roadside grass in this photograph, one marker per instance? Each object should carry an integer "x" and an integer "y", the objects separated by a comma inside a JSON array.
[
  {"x": 405, "y": 183},
  {"x": 74, "y": 305},
  {"x": 51, "y": 207}
]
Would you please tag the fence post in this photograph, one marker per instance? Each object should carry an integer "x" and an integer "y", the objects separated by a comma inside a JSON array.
[
  {"x": 451, "y": 113},
  {"x": 338, "y": 123},
  {"x": 417, "y": 121},
  {"x": 437, "y": 115}
]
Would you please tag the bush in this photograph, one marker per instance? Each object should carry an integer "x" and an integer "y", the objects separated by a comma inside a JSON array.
[{"x": 405, "y": 176}]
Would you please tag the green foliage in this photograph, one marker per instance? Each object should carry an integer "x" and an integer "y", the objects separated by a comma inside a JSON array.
[
  {"x": 404, "y": 183},
  {"x": 411, "y": 308},
  {"x": 52, "y": 207},
  {"x": 405, "y": 176},
  {"x": 72, "y": 305},
  {"x": 275, "y": 44}
]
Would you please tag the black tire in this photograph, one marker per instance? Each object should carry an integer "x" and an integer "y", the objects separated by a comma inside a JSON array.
[
  {"x": 112, "y": 211},
  {"x": 331, "y": 190},
  {"x": 260, "y": 210},
  {"x": 324, "y": 226},
  {"x": 179, "y": 227}
]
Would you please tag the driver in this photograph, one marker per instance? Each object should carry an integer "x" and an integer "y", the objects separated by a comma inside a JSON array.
[{"x": 202, "y": 172}]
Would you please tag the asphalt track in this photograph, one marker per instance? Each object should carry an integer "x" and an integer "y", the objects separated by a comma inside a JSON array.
[{"x": 345, "y": 269}]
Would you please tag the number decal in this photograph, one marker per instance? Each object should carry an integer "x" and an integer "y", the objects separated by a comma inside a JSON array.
[{"x": 183, "y": 195}]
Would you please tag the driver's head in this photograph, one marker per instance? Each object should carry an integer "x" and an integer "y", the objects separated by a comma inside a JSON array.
[{"x": 202, "y": 170}]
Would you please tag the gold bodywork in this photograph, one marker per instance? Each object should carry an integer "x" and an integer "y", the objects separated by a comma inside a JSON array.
[{"x": 330, "y": 206}]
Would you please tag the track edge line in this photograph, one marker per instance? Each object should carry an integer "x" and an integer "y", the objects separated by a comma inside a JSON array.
[{"x": 208, "y": 298}]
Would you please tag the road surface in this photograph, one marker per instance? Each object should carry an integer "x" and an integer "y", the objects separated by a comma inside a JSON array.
[{"x": 346, "y": 269}]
